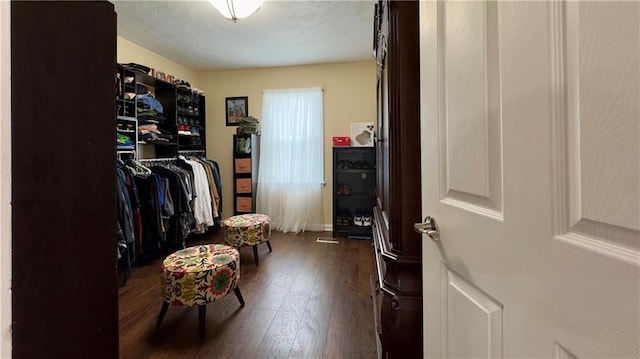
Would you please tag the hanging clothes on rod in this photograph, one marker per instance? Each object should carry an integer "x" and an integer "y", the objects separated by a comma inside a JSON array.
[
  {"x": 201, "y": 200},
  {"x": 128, "y": 225},
  {"x": 192, "y": 153},
  {"x": 164, "y": 208},
  {"x": 162, "y": 201},
  {"x": 212, "y": 171},
  {"x": 215, "y": 186}
]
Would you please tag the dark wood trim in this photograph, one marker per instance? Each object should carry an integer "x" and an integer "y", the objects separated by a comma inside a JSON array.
[
  {"x": 64, "y": 289},
  {"x": 404, "y": 126},
  {"x": 397, "y": 247}
]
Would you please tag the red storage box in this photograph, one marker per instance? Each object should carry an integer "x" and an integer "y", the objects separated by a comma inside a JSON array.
[{"x": 342, "y": 141}]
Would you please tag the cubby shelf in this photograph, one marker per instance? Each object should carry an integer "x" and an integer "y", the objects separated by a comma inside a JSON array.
[
  {"x": 354, "y": 189},
  {"x": 183, "y": 109}
]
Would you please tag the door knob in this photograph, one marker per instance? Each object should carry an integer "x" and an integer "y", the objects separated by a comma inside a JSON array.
[{"x": 428, "y": 227}]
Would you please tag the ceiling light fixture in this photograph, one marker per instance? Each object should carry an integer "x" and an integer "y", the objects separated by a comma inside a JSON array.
[{"x": 236, "y": 9}]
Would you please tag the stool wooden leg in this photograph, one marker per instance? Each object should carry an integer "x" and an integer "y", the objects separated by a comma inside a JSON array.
[
  {"x": 239, "y": 296},
  {"x": 202, "y": 314},
  {"x": 269, "y": 245},
  {"x": 255, "y": 254},
  {"x": 163, "y": 311}
]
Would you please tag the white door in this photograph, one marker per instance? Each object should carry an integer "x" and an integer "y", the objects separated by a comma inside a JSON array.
[{"x": 530, "y": 163}]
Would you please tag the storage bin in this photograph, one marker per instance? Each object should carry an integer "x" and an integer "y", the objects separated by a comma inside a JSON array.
[
  {"x": 243, "y": 185},
  {"x": 244, "y": 204},
  {"x": 243, "y": 165},
  {"x": 341, "y": 141}
]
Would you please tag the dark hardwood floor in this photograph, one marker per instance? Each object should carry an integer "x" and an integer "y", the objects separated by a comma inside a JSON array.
[{"x": 305, "y": 300}]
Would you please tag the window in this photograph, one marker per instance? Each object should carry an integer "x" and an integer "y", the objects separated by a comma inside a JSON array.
[{"x": 291, "y": 159}]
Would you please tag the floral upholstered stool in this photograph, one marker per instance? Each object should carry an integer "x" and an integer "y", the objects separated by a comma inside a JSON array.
[
  {"x": 248, "y": 230},
  {"x": 199, "y": 275}
]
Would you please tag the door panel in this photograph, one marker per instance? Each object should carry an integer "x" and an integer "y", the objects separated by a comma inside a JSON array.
[
  {"x": 472, "y": 176},
  {"x": 597, "y": 163},
  {"x": 530, "y": 166},
  {"x": 473, "y": 320}
]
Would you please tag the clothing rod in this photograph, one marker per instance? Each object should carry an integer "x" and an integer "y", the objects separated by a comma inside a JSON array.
[
  {"x": 157, "y": 159},
  {"x": 191, "y": 151}
]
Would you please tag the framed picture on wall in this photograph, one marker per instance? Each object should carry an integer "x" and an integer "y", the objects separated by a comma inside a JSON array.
[{"x": 237, "y": 108}]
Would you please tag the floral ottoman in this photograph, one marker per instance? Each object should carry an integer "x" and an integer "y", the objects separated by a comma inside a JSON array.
[
  {"x": 199, "y": 275},
  {"x": 248, "y": 230}
]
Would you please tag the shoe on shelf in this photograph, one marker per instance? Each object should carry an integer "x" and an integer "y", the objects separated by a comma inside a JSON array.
[
  {"x": 358, "y": 221},
  {"x": 346, "y": 190},
  {"x": 346, "y": 217},
  {"x": 366, "y": 220},
  {"x": 340, "y": 190},
  {"x": 348, "y": 220}
]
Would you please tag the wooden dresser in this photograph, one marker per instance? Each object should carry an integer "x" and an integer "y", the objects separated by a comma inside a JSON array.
[{"x": 397, "y": 249}]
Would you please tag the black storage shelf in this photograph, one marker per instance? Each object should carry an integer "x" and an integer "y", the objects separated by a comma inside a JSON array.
[
  {"x": 125, "y": 107},
  {"x": 354, "y": 207},
  {"x": 175, "y": 102},
  {"x": 357, "y": 195},
  {"x": 368, "y": 170},
  {"x": 127, "y": 126},
  {"x": 245, "y": 173}
]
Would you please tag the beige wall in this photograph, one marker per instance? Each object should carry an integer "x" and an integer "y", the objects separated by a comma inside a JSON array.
[
  {"x": 349, "y": 96},
  {"x": 132, "y": 52}
]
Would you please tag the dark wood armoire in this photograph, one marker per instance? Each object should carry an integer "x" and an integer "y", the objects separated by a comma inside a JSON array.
[
  {"x": 397, "y": 284},
  {"x": 64, "y": 285}
]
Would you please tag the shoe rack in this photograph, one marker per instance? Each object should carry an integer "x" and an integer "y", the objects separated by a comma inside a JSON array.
[{"x": 354, "y": 191}]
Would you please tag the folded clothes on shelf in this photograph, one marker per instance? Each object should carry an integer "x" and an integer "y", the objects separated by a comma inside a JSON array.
[
  {"x": 249, "y": 125},
  {"x": 124, "y": 141},
  {"x": 148, "y": 102},
  {"x": 136, "y": 67}
]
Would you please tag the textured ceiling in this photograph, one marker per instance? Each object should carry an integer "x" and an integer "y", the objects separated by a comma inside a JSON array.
[{"x": 281, "y": 33}]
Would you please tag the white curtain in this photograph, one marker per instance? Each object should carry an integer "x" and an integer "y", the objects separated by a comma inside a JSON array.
[{"x": 291, "y": 174}]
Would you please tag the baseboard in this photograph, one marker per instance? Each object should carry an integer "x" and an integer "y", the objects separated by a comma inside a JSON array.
[{"x": 319, "y": 228}]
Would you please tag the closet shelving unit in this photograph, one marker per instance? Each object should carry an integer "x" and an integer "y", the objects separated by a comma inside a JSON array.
[
  {"x": 190, "y": 120},
  {"x": 126, "y": 122},
  {"x": 165, "y": 93},
  {"x": 354, "y": 191},
  {"x": 181, "y": 107},
  {"x": 126, "y": 83},
  {"x": 127, "y": 126}
]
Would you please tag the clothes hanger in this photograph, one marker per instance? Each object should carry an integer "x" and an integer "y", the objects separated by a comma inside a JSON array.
[{"x": 138, "y": 168}]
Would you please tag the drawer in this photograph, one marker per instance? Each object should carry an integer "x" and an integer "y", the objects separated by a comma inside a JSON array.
[
  {"x": 243, "y": 165},
  {"x": 243, "y": 185},
  {"x": 244, "y": 204}
]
